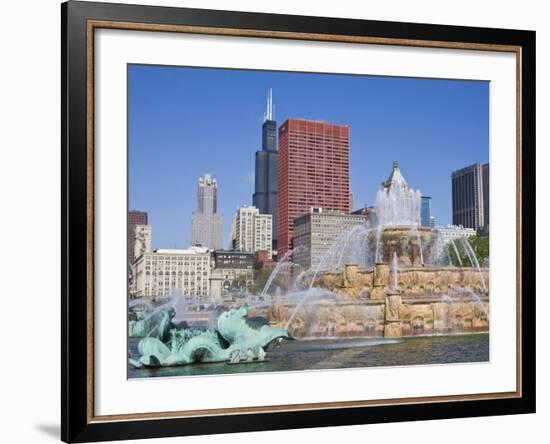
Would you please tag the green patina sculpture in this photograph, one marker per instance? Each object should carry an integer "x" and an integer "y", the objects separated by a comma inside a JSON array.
[
  {"x": 157, "y": 325},
  {"x": 238, "y": 338},
  {"x": 139, "y": 328}
]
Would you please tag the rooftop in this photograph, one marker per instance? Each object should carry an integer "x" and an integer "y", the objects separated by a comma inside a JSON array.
[{"x": 190, "y": 250}]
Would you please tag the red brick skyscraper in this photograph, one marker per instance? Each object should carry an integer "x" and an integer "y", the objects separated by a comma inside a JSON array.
[{"x": 313, "y": 171}]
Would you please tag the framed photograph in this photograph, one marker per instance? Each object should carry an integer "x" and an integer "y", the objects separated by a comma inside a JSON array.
[{"x": 275, "y": 221}]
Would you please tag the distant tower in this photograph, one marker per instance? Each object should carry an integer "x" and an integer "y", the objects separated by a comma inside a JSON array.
[
  {"x": 470, "y": 193},
  {"x": 425, "y": 211},
  {"x": 207, "y": 223},
  {"x": 485, "y": 179},
  {"x": 265, "y": 187}
]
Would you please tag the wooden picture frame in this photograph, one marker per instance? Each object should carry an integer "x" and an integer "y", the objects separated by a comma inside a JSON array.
[{"x": 79, "y": 22}]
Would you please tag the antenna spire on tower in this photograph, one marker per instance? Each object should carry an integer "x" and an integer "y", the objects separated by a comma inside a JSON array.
[{"x": 268, "y": 115}]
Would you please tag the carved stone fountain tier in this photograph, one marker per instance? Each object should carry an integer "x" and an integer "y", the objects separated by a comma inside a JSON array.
[
  {"x": 412, "y": 246},
  {"x": 392, "y": 316},
  {"x": 412, "y": 282},
  {"x": 426, "y": 300}
]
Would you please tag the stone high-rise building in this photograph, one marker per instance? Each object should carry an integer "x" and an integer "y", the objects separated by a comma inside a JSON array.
[
  {"x": 313, "y": 171},
  {"x": 251, "y": 230},
  {"x": 265, "y": 183},
  {"x": 470, "y": 196},
  {"x": 316, "y": 231},
  {"x": 207, "y": 223},
  {"x": 485, "y": 174},
  {"x": 134, "y": 218}
]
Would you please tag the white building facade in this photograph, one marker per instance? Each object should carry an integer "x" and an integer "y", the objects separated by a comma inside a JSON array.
[
  {"x": 263, "y": 233},
  {"x": 156, "y": 274},
  {"x": 252, "y": 231},
  {"x": 451, "y": 232}
]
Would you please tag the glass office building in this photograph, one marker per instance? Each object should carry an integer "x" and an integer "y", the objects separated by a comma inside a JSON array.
[{"x": 425, "y": 211}]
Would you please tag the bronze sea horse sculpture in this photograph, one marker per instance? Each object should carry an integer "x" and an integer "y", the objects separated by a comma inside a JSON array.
[{"x": 237, "y": 338}]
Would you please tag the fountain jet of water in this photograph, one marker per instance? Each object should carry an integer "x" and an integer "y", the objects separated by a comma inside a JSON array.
[
  {"x": 285, "y": 259},
  {"x": 378, "y": 239},
  {"x": 394, "y": 270},
  {"x": 452, "y": 241},
  {"x": 473, "y": 260},
  {"x": 415, "y": 233}
]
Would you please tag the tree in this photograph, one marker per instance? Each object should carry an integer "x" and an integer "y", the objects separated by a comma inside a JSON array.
[
  {"x": 480, "y": 247},
  {"x": 260, "y": 279}
]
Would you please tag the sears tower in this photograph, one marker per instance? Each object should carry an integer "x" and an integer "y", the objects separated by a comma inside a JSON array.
[{"x": 265, "y": 189}]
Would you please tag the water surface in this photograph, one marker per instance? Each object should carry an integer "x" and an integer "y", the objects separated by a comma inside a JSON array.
[{"x": 340, "y": 353}]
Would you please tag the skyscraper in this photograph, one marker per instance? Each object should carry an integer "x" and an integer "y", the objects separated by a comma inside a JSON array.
[
  {"x": 134, "y": 218},
  {"x": 470, "y": 193},
  {"x": 425, "y": 210},
  {"x": 316, "y": 231},
  {"x": 313, "y": 171},
  {"x": 265, "y": 186},
  {"x": 485, "y": 173},
  {"x": 251, "y": 230},
  {"x": 207, "y": 223}
]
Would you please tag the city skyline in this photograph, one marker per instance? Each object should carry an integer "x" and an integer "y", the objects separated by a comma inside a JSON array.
[{"x": 185, "y": 122}]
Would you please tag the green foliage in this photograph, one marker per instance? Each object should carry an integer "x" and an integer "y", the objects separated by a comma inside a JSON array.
[
  {"x": 480, "y": 246},
  {"x": 260, "y": 279}
]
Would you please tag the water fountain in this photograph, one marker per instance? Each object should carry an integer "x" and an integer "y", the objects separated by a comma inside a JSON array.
[{"x": 398, "y": 269}]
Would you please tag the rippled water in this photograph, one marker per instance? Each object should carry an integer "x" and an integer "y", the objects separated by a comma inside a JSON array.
[{"x": 341, "y": 353}]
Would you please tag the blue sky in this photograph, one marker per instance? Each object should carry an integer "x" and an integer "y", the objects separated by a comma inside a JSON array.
[{"x": 184, "y": 122}]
